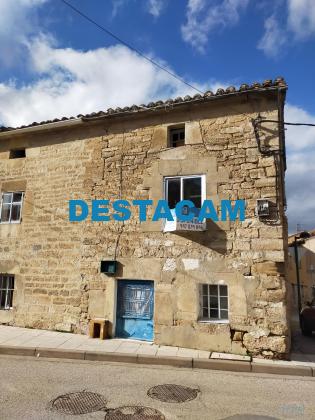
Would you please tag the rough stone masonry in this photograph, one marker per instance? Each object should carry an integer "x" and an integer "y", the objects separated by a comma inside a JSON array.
[{"x": 126, "y": 153}]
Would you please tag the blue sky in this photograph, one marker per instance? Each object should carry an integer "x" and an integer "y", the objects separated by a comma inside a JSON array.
[{"x": 55, "y": 63}]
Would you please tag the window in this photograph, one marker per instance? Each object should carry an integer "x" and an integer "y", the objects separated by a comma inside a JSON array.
[
  {"x": 6, "y": 291},
  {"x": 185, "y": 188},
  {"x": 17, "y": 153},
  {"x": 215, "y": 302},
  {"x": 11, "y": 207},
  {"x": 177, "y": 136}
]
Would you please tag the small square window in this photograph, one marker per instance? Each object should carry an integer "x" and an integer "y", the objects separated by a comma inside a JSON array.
[
  {"x": 17, "y": 153},
  {"x": 214, "y": 302},
  {"x": 6, "y": 291},
  {"x": 177, "y": 136}
]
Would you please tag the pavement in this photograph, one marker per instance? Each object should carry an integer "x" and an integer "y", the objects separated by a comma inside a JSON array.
[
  {"x": 29, "y": 386},
  {"x": 53, "y": 344}
]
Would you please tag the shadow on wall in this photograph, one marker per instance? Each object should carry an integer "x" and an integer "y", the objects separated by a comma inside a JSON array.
[{"x": 213, "y": 237}]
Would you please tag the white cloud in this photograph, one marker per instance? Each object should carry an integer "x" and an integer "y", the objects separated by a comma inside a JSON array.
[
  {"x": 18, "y": 21},
  {"x": 299, "y": 26},
  {"x": 301, "y": 19},
  {"x": 274, "y": 37},
  {"x": 155, "y": 7},
  {"x": 300, "y": 176},
  {"x": 203, "y": 16},
  {"x": 69, "y": 82}
]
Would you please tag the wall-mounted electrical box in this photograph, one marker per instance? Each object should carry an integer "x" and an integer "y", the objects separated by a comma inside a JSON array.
[
  {"x": 108, "y": 267},
  {"x": 262, "y": 207}
]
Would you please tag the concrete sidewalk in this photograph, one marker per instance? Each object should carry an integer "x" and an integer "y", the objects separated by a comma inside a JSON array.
[{"x": 53, "y": 344}]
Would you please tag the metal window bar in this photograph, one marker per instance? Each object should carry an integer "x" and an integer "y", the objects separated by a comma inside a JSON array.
[
  {"x": 11, "y": 203},
  {"x": 6, "y": 291}
]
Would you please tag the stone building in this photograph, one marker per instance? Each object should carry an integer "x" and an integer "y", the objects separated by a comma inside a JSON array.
[
  {"x": 306, "y": 267},
  {"x": 222, "y": 288}
]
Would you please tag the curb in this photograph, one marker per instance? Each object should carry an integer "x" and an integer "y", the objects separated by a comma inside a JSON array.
[{"x": 185, "y": 362}]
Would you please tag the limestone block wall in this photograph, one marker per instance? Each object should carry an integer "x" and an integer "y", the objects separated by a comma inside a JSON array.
[{"x": 57, "y": 263}]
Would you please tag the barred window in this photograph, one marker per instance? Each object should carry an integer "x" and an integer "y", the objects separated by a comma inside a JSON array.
[
  {"x": 215, "y": 302},
  {"x": 6, "y": 291},
  {"x": 11, "y": 207}
]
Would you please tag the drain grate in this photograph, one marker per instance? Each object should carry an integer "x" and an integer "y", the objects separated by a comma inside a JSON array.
[
  {"x": 79, "y": 403},
  {"x": 173, "y": 393},
  {"x": 134, "y": 412}
]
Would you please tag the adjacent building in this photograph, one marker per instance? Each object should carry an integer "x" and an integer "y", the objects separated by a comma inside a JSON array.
[
  {"x": 220, "y": 286},
  {"x": 306, "y": 267}
]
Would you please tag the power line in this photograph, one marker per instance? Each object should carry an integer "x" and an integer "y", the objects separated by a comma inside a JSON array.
[{"x": 108, "y": 32}]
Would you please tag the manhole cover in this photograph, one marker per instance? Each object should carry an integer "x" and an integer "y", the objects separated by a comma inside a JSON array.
[
  {"x": 173, "y": 393},
  {"x": 79, "y": 403},
  {"x": 134, "y": 413}
]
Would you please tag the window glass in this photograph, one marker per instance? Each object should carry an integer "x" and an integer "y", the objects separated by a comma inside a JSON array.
[
  {"x": 15, "y": 213},
  {"x": 7, "y": 197},
  {"x": 5, "y": 213},
  {"x": 192, "y": 190},
  {"x": 173, "y": 192},
  {"x": 17, "y": 197}
]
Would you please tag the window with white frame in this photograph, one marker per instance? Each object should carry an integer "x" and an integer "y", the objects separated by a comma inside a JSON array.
[
  {"x": 179, "y": 188},
  {"x": 215, "y": 302},
  {"x": 11, "y": 207},
  {"x": 6, "y": 291}
]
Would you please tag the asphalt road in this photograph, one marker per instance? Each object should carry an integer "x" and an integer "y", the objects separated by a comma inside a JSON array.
[{"x": 27, "y": 386}]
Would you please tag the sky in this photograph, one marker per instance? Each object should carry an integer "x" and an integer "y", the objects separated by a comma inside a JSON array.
[{"x": 54, "y": 63}]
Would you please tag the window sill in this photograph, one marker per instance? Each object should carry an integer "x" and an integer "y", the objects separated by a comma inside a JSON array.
[
  {"x": 213, "y": 321},
  {"x": 10, "y": 223}
]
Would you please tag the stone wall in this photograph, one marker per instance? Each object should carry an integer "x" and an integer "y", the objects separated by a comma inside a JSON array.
[{"x": 57, "y": 263}]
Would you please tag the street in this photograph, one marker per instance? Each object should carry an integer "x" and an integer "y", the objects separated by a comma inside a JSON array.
[{"x": 28, "y": 386}]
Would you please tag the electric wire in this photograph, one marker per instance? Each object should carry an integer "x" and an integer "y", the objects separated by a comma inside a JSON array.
[{"x": 121, "y": 41}]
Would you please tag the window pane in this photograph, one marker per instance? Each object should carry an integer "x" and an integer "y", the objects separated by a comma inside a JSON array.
[
  {"x": 223, "y": 291},
  {"x": 192, "y": 190},
  {"x": 15, "y": 214},
  {"x": 5, "y": 213},
  {"x": 2, "y": 299},
  {"x": 204, "y": 289},
  {"x": 11, "y": 282},
  {"x": 7, "y": 197},
  {"x": 224, "y": 303},
  {"x": 205, "y": 313},
  {"x": 224, "y": 314},
  {"x": 214, "y": 313},
  {"x": 213, "y": 302},
  {"x": 17, "y": 197},
  {"x": 1, "y": 282},
  {"x": 214, "y": 290},
  {"x": 9, "y": 299},
  {"x": 205, "y": 301},
  {"x": 173, "y": 192}
]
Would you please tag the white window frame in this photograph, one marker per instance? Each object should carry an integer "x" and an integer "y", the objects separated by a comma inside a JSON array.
[
  {"x": 182, "y": 177},
  {"x": 214, "y": 320},
  {"x": 6, "y": 291},
  {"x": 11, "y": 204}
]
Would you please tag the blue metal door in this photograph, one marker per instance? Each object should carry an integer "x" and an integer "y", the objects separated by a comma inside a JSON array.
[{"x": 135, "y": 309}]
